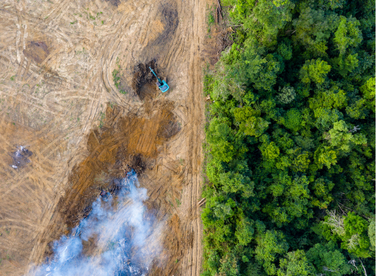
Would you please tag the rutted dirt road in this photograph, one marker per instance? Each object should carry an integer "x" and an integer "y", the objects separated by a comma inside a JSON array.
[{"x": 57, "y": 60}]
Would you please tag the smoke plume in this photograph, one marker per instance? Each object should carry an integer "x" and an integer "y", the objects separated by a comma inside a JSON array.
[{"x": 126, "y": 238}]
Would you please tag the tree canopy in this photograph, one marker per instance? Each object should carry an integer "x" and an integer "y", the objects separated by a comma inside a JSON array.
[{"x": 290, "y": 141}]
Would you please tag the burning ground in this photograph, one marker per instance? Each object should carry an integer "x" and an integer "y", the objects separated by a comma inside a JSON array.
[{"x": 126, "y": 239}]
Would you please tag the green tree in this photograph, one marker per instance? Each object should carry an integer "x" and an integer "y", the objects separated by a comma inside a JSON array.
[
  {"x": 313, "y": 28},
  {"x": 346, "y": 64},
  {"x": 371, "y": 233},
  {"x": 222, "y": 140},
  {"x": 249, "y": 121},
  {"x": 293, "y": 120},
  {"x": 269, "y": 244},
  {"x": 269, "y": 151},
  {"x": 295, "y": 264},
  {"x": 325, "y": 156},
  {"x": 314, "y": 71},
  {"x": 356, "y": 239},
  {"x": 244, "y": 230},
  {"x": 326, "y": 258},
  {"x": 341, "y": 138},
  {"x": 229, "y": 266},
  {"x": 347, "y": 34},
  {"x": 287, "y": 95},
  {"x": 322, "y": 188},
  {"x": 256, "y": 67},
  {"x": 368, "y": 90}
]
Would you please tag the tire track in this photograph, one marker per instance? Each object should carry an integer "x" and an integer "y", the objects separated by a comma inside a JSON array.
[{"x": 193, "y": 262}]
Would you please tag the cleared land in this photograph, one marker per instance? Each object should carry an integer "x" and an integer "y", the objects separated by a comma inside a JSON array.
[{"x": 57, "y": 62}]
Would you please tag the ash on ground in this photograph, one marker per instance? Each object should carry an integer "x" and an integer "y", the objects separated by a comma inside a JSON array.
[{"x": 21, "y": 157}]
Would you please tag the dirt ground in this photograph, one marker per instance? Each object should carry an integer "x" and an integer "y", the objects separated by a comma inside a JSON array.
[{"x": 58, "y": 98}]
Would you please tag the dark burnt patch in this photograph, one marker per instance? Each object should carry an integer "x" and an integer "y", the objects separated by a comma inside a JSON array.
[
  {"x": 138, "y": 164},
  {"x": 169, "y": 129},
  {"x": 158, "y": 47},
  {"x": 37, "y": 51},
  {"x": 169, "y": 16},
  {"x": 114, "y": 2},
  {"x": 143, "y": 80}
]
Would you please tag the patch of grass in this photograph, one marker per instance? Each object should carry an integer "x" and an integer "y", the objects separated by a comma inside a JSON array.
[
  {"x": 116, "y": 78},
  {"x": 211, "y": 17},
  {"x": 93, "y": 17},
  {"x": 172, "y": 205},
  {"x": 12, "y": 78},
  {"x": 178, "y": 202},
  {"x": 103, "y": 115}
]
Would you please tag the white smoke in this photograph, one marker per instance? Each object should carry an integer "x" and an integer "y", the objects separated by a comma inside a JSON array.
[{"x": 126, "y": 238}]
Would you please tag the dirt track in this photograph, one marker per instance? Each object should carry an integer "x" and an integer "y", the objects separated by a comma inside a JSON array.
[{"x": 56, "y": 64}]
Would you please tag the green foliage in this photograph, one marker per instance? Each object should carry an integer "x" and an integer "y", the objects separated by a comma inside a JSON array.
[
  {"x": 314, "y": 27},
  {"x": 314, "y": 71},
  {"x": 356, "y": 239},
  {"x": 371, "y": 233},
  {"x": 295, "y": 264},
  {"x": 341, "y": 138},
  {"x": 269, "y": 151},
  {"x": 229, "y": 266},
  {"x": 250, "y": 121},
  {"x": 269, "y": 244},
  {"x": 222, "y": 138},
  {"x": 327, "y": 258},
  {"x": 291, "y": 135},
  {"x": 101, "y": 119},
  {"x": 285, "y": 50},
  {"x": 352, "y": 230},
  {"x": 348, "y": 34},
  {"x": 244, "y": 231},
  {"x": 287, "y": 95},
  {"x": 211, "y": 19},
  {"x": 117, "y": 79},
  {"x": 293, "y": 120}
]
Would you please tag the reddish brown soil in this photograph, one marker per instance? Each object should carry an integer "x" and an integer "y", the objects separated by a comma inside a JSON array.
[{"x": 123, "y": 142}]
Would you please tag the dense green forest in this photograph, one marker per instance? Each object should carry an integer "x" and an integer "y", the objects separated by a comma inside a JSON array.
[{"x": 290, "y": 141}]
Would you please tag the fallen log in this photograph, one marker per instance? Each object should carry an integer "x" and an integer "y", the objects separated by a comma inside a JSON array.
[
  {"x": 219, "y": 8},
  {"x": 201, "y": 202}
]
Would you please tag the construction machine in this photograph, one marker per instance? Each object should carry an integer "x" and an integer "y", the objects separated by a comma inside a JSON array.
[{"x": 162, "y": 85}]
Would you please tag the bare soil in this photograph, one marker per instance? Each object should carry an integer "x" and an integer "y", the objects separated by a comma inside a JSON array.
[{"x": 58, "y": 100}]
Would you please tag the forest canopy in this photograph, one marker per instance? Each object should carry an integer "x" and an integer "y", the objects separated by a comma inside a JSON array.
[{"x": 290, "y": 141}]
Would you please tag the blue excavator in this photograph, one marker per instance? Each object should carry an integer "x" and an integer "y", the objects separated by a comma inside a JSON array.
[{"x": 162, "y": 85}]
